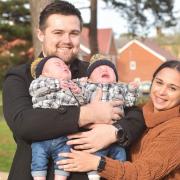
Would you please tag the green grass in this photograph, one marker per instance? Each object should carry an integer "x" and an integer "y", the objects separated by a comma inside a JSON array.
[
  {"x": 7, "y": 144},
  {"x": 7, "y": 147},
  {"x": 0, "y": 98}
]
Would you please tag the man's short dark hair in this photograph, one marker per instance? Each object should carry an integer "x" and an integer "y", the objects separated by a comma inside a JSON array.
[{"x": 58, "y": 7}]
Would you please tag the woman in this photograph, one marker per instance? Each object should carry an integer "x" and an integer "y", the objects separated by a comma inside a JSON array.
[{"x": 157, "y": 154}]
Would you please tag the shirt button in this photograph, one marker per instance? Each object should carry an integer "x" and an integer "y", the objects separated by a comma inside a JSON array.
[{"x": 62, "y": 109}]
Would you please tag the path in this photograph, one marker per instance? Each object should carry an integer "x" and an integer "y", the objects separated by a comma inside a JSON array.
[{"x": 3, "y": 175}]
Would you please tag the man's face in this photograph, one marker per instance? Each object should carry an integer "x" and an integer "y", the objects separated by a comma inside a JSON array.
[
  {"x": 103, "y": 74},
  {"x": 61, "y": 37},
  {"x": 56, "y": 68}
]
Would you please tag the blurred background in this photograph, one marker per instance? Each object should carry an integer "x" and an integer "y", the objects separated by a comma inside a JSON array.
[{"x": 138, "y": 35}]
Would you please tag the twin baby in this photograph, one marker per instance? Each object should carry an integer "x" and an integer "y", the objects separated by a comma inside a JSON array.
[{"x": 53, "y": 88}]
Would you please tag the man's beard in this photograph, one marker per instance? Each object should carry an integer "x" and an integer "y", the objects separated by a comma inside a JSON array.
[
  {"x": 67, "y": 55},
  {"x": 68, "y": 60}
]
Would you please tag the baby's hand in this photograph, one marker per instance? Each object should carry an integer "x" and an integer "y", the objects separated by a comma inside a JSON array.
[
  {"x": 69, "y": 85},
  {"x": 64, "y": 84},
  {"x": 74, "y": 88},
  {"x": 133, "y": 85}
]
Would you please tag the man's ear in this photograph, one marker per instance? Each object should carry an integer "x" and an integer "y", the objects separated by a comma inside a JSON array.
[{"x": 40, "y": 35}]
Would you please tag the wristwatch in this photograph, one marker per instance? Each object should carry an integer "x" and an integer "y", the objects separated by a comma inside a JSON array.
[
  {"x": 102, "y": 164},
  {"x": 121, "y": 135}
]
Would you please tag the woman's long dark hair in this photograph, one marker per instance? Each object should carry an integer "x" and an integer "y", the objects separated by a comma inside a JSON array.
[{"x": 172, "y": 64}]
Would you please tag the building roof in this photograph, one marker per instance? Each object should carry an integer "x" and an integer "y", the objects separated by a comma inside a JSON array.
[
  {"x": 104, "y": 40},
  {"x": 152, "y": 48}
]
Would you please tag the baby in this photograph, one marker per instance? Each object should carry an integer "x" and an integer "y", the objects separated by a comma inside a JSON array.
[
  {"x": 53, "y": 88},
  {"x": 51, "y": 73},
  {"x": 102, "y": 73}
]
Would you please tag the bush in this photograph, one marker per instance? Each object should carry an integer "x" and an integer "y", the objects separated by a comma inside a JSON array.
[
  {"x": 16, "y": 56},
  {"x": 16, "y": 31}
]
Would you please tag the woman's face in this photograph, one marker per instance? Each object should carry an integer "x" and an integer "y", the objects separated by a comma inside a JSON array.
[{"x": 165, "y": 90}]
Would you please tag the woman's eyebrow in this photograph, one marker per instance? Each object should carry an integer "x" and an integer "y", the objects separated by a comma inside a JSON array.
[
  {"x": 159, "y": 79},
  {"x": 175, "y": 86}
]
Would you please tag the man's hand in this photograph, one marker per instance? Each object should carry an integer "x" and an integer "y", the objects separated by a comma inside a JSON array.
[
  {"x": 100, "y": 112},
  {"x": 98, "y": 137}
]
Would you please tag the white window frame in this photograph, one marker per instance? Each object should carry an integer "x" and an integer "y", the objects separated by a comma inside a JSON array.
[{"x": 132, "y": 65}]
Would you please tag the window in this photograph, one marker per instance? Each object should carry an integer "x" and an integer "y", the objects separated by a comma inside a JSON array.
[{"x": 132, "y": 65}]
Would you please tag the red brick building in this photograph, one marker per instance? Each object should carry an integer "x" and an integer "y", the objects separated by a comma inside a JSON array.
[
  {"x": 106, "y": 43},
  {"x": 137, "y": 60}
]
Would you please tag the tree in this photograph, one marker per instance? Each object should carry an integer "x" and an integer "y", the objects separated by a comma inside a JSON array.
[
  {"x": 93, "y": 28},
  {"x": 135, "y": 12},
  {"x": 15, "y": 35},
  {"x": 92, "y": 24},
  {"x": 162, "y": 12},
  {"x": 36, "y": 7},
  {"x": 15, "y": 19}
]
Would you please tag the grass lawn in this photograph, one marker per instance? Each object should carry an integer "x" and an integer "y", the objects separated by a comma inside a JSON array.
[
  {"x": 7, "y": 147},
  {"x": 7, "y": 144}
]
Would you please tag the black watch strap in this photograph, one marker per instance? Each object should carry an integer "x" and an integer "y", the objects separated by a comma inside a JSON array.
[{"x": 102, "y": 164}]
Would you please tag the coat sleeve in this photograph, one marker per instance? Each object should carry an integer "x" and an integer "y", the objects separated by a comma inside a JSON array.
[
  {"x": 133, "y": 125},
  {"x": 34, "y": 124}
]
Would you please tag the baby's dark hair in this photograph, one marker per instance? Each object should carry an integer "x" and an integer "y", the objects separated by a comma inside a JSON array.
[
  {"x": 58, "y": 7},
  {"x": 172, "y": 64}
]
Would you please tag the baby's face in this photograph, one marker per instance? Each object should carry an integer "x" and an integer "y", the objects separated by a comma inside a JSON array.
[
  {"x": 56, "y": 68},
  {"x": 103, "y": 74}
]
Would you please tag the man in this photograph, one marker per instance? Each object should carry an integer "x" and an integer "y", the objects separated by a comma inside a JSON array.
[{"x": 59, "y": 32}]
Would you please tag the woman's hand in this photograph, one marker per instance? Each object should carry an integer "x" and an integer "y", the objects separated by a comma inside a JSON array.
[
  {"x": 98, "y": 137},
  {"x": 78, "y": 161}
]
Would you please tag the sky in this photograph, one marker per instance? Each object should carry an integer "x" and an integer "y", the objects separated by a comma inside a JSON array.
[{"x": 109, "y": 18}]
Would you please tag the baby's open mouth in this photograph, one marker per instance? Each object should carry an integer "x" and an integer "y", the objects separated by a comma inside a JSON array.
[{"x": 105, "y": 76}]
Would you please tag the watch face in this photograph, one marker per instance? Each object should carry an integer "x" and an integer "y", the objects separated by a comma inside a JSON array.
[
  {"x": 119, "y": 130},
  {"x": 117, "y": 125},
  {"x": 120, "y": 133}
]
